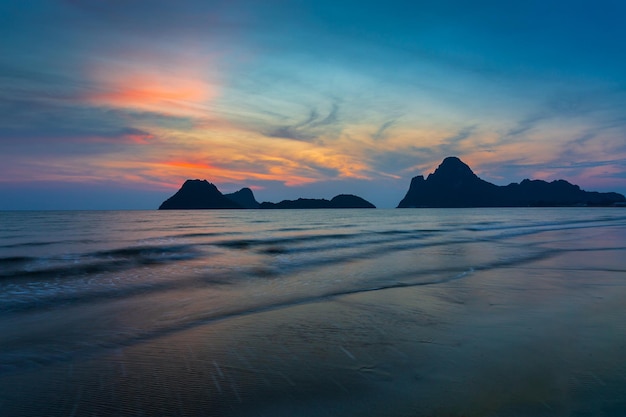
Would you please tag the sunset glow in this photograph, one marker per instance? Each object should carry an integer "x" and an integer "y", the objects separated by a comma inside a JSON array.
[
  {"x": 150, "y": 95},
  {"x": 176, "y": 92}
]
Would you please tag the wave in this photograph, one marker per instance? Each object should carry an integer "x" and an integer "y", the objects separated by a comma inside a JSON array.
[
  {"x": 417, "y": 277},
  {"x": 12, "y": 362},
  {"x": 71, "y": 265},
  {"x": 31, "y": 284},
  {"x": 373, "y": 243},
  {"x": 329, "y": 246}
]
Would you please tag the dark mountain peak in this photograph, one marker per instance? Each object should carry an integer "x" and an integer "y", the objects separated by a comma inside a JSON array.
[
  {"x": 198, "y": 194},
  {"x": 452, "y": 168},
  {"x": 244, "y": 197},
  {"x": 199, "y": 185},
  {"x": 453, "y": 184},
  {"x": 417, "y": 180},
  {"x": 453, "y": 161}
]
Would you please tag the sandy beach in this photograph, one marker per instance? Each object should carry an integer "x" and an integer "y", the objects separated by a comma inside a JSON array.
[{"x": 537, "y": 335}]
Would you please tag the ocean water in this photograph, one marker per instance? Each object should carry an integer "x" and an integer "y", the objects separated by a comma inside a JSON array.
[{"x": 416, "y": 312}]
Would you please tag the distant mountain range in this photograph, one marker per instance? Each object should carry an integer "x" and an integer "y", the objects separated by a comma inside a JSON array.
[
  {"x": 340, "y": 201},
  {"x": 453, "y": 184},
  {"x": 201, "y": 194}
]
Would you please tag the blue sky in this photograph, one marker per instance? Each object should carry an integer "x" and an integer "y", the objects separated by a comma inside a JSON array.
[{"x": 107, "y": 105}]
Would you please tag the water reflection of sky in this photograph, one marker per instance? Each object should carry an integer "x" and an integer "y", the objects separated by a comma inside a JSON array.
[{"x": 349, "y": 317}]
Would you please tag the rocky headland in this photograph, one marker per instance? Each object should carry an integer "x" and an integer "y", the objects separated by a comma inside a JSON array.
[
  {"x": 454, "y": 184},
  {"x": 198, "y": 194}
]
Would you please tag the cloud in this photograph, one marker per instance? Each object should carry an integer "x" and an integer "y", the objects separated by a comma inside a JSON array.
[
  {"x": 597, "y": 105},
  {"x": 290, "y": 132},
  {"x": 120, "y": 89},
  {"x": 380, "y": 133},
  {"x": 45, "y": 121},
  {"x": 525, "y": 125},
  {"x": 312, "y": 128},
  {"x": 137, "y": 136},
  {"x": 331, "y": 118},
  {"x": 396, "y": 162},
  {"x": 463, "y": 134},
  {"x": 453, "y": 145}
]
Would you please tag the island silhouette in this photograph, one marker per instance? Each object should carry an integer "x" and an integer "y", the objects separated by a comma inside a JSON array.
[
  {"x": 452, "y": 185},
  {"x": 339, "y": 201},
  {"x": 201, "y": 194}
]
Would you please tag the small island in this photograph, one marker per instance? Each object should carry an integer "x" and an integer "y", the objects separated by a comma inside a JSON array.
[
  {"x": 340, "y": 201},
  {"x": 201, "y": 195}
]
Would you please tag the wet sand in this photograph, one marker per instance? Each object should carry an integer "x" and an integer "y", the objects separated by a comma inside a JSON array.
[
  {"x": 545, "y": 339},
  {"x": 529, "y": 324}
]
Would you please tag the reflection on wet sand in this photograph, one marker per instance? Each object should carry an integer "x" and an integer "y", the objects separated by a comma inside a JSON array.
[{"x": 527, "y": 325}]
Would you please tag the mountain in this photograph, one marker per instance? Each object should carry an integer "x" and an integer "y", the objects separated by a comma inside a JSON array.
[
  {"x": 201, "y": 194},
  {"x": 350, "y": 201},
  {"x": 244, "y": 198},
  {"x": 454, "y": 184},
  {"x": 337, "y": 202},
  {"x": 301, "y": 203},
  {"x": 198, "y": 194}
]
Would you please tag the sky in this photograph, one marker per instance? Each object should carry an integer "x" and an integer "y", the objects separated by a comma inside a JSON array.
[{"x": 114, "y": 104}]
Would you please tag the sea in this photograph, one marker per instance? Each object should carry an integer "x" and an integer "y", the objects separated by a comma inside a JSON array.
[{"x": 388, "y": 312}]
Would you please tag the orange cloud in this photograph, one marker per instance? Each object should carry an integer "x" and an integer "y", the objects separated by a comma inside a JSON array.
[
  {"x": 165, "y": 84},
  {"x": 188, "y": 165},
  {"x": 154, "y": 92},
  {"x": 140, "y": 138}
]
